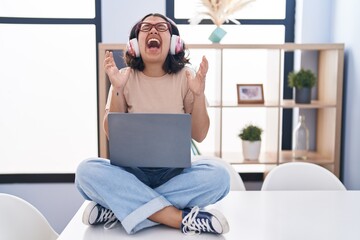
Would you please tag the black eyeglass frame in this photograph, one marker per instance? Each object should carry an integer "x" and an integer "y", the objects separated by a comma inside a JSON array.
[{"x": 154, "y": 25}]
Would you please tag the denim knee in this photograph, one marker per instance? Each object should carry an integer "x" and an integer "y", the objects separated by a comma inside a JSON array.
[
  {"x": 88, "y": 168},
  {"x": 216, "y": 177},
  {"x": 219, "y": 177}
]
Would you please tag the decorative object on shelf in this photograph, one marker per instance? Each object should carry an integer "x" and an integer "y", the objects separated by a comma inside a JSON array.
[
  {"x": 219, "y": 11},
  {"x": 302, "y": 81},
  {"x": 300, "y": 144},
  {"x": 250, "y": 93},
  {"x": 217, "y": 35},
  {"x": 251, "y": 141}
]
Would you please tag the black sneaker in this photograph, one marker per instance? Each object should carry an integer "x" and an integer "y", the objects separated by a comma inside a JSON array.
[
  {"x": 196, "y": 221},
  {"x": 96, "y": 214}
]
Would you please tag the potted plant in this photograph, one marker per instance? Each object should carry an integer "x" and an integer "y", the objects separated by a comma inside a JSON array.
[
  {"x": 251, "y": 141},
  {"x": 302, "y": 81}
]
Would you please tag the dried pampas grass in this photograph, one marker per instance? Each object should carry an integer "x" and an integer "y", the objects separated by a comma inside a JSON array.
[{"x": 219, "y": 11}]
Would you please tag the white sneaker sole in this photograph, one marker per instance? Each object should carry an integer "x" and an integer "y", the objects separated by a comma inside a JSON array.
[
  {"x": 222, "y": 220},
  {"x": 86, "y": 215}
]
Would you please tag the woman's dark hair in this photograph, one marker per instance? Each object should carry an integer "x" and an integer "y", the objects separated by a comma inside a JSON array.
[{"x": 172, "y": 64}]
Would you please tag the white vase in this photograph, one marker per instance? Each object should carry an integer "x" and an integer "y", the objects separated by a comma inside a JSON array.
[{"x": 251, "y": 150}]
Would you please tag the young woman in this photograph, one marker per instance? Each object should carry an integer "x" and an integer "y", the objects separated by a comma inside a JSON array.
[{"x": 156, "y": 80}]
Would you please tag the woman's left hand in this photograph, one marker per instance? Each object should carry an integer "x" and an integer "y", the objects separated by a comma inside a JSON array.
[{"x": 197, "y": 83}]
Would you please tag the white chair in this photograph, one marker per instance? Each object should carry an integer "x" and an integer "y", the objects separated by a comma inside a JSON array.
[
  {"x": 21, "y": 220},
  {"x": 301, "y": 176},
  {"x": 236, "y": 183}
]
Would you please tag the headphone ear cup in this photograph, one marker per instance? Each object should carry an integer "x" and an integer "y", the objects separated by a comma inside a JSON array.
[
  {"x": 176, "y": 45},
  {"x": 133, "y": 47}
]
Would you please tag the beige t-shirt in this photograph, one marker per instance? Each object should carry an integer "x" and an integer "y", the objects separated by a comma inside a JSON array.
[{"x": 167, "y": 94}]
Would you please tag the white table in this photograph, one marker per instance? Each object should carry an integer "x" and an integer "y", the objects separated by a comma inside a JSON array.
[{"x": 289, "y": 215}]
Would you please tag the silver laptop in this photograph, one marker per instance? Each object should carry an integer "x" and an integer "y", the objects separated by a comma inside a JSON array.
[{"x": 150, "y": 140}]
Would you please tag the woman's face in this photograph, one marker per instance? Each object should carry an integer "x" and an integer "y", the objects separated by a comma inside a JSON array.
[{"x": 154, "y": 42}]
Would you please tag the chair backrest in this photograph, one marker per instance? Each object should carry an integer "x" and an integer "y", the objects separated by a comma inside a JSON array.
[
  {"x": 21, "y": 220},
  {"x": 301, "y": 176},
  {"x": 236, "y": 183}
]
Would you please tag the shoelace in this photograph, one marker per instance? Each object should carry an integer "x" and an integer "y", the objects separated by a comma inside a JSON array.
[
  {"x": 111, "y": 223},
  {"x": 108, "y": 217},
  {"x": 192, "y": 225}
]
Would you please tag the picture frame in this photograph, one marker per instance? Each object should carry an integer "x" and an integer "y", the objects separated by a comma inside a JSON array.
[{"x": 250, "y": 93}]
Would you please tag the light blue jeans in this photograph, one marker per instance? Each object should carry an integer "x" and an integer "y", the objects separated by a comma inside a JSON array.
[{"x": 134, "y": 194}]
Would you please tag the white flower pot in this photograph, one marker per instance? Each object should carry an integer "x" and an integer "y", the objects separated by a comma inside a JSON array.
[{"x": 251, "y": 150}]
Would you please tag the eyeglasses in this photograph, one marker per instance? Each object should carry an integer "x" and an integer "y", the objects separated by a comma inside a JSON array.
[{"x": 160, "y": 27}]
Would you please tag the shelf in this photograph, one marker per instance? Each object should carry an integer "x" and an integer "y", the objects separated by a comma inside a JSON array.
[
  {"x": 284, "y": 104},
  {"x": 271, "y": 158},
  {"x": 313, "y": 104},
  {"x": 313, "y": 157},
  {"x": 237, "y": 158},
  {"x": 232, "y": 64},
  {"x": 283, "y": 47},
  {"x": 267, "y": 104}
]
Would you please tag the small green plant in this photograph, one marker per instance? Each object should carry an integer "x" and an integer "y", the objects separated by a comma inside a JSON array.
[
  {"x": 251, "y": 133},
  {"x": 302, "y": 79}
]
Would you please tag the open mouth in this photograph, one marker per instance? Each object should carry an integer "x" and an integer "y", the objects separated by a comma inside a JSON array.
[{"x": 153, "y": 43}]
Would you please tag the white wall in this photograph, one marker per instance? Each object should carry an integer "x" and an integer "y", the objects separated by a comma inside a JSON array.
[
  {"x": 337, "y": 21},
  {"x": 313, "y": 23},
  {"x": 346, "y": 29}
]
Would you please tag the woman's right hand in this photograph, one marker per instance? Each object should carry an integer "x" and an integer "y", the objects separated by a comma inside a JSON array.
[{"x": 117, "y": 78}]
